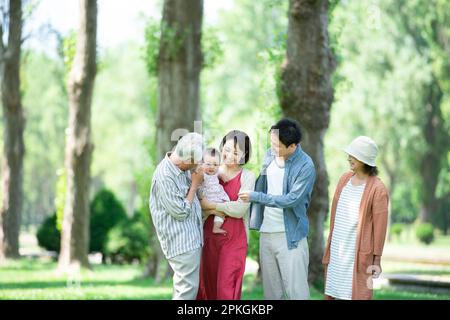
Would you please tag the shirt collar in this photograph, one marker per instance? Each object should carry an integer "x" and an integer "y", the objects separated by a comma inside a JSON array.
[
  {"x": 293, "y": 156},
  {"x": 172, "y": 167}
]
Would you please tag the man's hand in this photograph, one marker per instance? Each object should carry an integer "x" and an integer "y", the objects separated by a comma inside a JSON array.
[
  {"x": 245, "y": 196},
  {"x": 197, "y": 179},
  {"x": 197, "y": 176}
]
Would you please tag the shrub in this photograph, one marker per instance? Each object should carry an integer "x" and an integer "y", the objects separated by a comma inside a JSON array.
[
  {"x": 48, "y": 235},
  {"x": 128, "y": 241},
  {"x": 425, "y": 233},
  {"x": 106, "y": 212},
  {"x": 396, "y": 229}
]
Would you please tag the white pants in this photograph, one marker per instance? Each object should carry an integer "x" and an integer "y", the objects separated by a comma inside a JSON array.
[
  {"x": 284, "y": 271},
  {"x": 186, "y": 277}
]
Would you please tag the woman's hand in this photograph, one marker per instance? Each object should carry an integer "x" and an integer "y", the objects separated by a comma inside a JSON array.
[
  {"x": 207, "y": 213},
  {"x": 207, "y": 205},
  {"x": 376, "y": 268}
]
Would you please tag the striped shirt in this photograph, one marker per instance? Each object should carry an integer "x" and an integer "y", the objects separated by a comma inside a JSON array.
[
  {"x": 178, "y": 223},
  {"x": 343, "y": 243}
]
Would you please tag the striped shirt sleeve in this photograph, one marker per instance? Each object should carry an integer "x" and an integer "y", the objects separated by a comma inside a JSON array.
[{"x": 173, "y": 200}]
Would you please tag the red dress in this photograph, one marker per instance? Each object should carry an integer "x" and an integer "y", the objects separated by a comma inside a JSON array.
[{"x": 223, "y": 256}]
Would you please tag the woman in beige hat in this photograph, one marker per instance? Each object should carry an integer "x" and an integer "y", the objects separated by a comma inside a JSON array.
[{"x": 359, "y": 215}]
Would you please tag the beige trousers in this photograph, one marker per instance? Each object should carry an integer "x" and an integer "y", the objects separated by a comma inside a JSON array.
[
  {"x": 284, "y": 272},
  {"x": 186, "y": 277}
]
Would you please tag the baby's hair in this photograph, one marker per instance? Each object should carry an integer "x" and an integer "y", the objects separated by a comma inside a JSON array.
[{"x": 213, "y": 152}]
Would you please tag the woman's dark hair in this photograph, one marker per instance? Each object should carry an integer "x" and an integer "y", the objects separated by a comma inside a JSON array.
[
  {"x": 288, "y": 130},
  {"x": 371, "y": 171},
  {"x": 241, "y": 139}
]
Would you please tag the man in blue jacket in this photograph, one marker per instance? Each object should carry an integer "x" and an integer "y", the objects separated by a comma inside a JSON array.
[{"x": 279, "y": 205}]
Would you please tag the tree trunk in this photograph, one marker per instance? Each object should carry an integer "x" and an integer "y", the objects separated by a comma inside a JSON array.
[
  {"x": 179, "y": 66},
  {"x": 436, "y": 139},
  {"x": 75, "y": 226},
  {"x": 14, "y": 124},
  {"x": 306, "y": 95}
]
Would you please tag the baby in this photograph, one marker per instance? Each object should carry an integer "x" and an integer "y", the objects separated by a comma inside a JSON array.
[{"x": 211, "y": 188}]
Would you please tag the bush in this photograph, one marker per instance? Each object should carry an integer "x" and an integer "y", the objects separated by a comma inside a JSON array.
[
  {"x": 396, "y": 229},
  {"x": 425, "y": 233},
  {"x": 106, "y": 212},
  {"x": 48, "y": 235},
  {"x": 128, "y": 241}
]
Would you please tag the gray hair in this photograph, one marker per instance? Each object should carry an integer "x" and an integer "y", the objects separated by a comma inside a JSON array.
[{"x": 190, "y": 147}]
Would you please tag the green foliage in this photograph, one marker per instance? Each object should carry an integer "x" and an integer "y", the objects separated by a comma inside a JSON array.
[
  {"x": 48, "y": 235},
  {"x": 152, "y": 38},
  {"x": 379, "y": 91},
  {"x": 69, "y": 50},
  {"x": 171, "y": 38},
  {"x": 211, "y": 45},
  {"x": 128, "y": 241},
  {"x": 405, "y": 202},
  {"x": 253, "y": 245},
  {"x": 425, "y": 233},
  {"x": 106, "y": 212},
  {"x": 45, "y": 106},
  {"x": 275, "y": 57},
  {"x": 212, "y": 48},
  {"x": 121, "y": 120},
  {"x": 396, "y": 229}
]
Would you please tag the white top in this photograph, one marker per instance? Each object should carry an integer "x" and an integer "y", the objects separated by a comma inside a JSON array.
[
  {"x": 343, "y": 243},
  {"x": 212, "y": 190},
  {"x": 273, "y": 217}
]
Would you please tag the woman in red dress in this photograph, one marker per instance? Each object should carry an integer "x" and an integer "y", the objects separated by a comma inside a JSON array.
[{"x": 223, "y": 256}]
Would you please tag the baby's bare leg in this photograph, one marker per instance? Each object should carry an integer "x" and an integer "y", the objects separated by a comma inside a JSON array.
[{"x": 217, "y": 228}]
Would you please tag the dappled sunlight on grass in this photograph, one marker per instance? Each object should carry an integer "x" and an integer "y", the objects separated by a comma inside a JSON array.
[{"x": 32, "y": 279}]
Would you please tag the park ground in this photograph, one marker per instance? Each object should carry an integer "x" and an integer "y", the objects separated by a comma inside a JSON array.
[{"x": 34, "y": 276}]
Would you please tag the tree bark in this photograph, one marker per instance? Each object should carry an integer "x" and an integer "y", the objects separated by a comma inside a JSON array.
[
  {"x": 306, "y": 95},
  {"x": 14, "y": 121},
  {"x": 179, "y": 67},
  {"x": 436, "y": 138},
  {"x": 75, "y": 226}
]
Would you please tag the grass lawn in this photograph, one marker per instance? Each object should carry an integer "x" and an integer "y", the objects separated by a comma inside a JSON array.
[{"x": 37, "y": 280}]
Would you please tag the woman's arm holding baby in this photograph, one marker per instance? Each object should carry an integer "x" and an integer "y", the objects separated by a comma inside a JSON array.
[
  {"x": 236, "y": 209},
  {"x": 209, "y": 208}
]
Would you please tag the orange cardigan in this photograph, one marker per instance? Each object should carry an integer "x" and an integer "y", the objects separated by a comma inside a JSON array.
[{"x": 371, "y": 232}]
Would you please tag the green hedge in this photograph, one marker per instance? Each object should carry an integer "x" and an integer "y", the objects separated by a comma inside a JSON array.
[
  {"x": 128, "y": 241},
  {"x": 425, "y": 233},
  {"x": 106, "y": 213},
  {"x": 48, "y": 235}
]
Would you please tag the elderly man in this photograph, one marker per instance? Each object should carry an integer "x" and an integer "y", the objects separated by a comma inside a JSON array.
[{"x": 177, "y": 215}]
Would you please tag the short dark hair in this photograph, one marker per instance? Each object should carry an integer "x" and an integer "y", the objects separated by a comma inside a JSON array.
[
  {"x": 213, "y": 152},
  {"x": 288, "y": 130},
  {"x": 241, "y": 139},
  {"x": 371, "y": 171}
]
